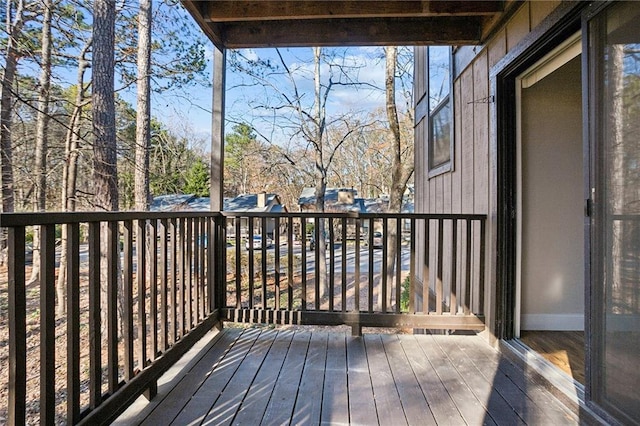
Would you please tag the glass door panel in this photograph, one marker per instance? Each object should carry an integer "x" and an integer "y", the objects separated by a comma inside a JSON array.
[{"x": 616, "y": 63}]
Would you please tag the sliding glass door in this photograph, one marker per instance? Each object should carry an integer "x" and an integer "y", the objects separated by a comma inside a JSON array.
[{"x": 614, "y": 129}]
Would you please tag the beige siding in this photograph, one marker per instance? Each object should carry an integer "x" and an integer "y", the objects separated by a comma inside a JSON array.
[
  {"x": 540, "y": 10},
  {"x": 518, "y": 27},
  {"x": 467, "y": 188}
]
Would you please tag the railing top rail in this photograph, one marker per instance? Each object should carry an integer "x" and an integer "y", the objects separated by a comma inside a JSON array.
[
  {"x": 357, "y": 215},
  {"x": 52, "y": 218}
]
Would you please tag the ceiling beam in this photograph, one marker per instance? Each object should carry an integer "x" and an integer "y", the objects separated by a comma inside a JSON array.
[
  {"x": 261, "y": 10},
  {"x": 353, "y": 32}
]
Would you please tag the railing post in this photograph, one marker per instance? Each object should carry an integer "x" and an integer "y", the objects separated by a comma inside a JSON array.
[{"x": 17, "y": 327}]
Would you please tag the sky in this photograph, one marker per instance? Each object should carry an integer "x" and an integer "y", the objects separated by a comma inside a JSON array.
[{"x": 193, "y": 107}]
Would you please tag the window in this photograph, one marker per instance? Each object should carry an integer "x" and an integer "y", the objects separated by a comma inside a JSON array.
[{"x": 440, "y": 136}]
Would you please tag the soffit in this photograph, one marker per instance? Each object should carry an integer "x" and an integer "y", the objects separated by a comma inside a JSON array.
[{"x": 267, "y": 23}]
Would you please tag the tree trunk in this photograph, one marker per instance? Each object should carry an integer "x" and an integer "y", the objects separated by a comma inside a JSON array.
[
  {"x": 104, "y": 122},
  {"x": 143, "y": 115},
  {"x": 321, "y": 175},
  {"x": 104, "y": 130},
  {"x": 13, "y": 28},
  {"x": 42, "y": 125},
  {"x": 70, "y": 174},
  {"x": 400, "y": 173}
]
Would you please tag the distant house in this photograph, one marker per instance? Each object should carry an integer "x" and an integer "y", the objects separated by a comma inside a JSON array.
[
  {"x": 245, "y": 203},
  {"x": 336, "y": 200},
  {"x": 254, "y": 203}
]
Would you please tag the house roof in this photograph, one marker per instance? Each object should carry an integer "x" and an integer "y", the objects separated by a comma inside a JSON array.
[
  {"x": 273, "y": 23},
  {"x": 241, "y": 203},
  {"x": 249, "y": 203}
]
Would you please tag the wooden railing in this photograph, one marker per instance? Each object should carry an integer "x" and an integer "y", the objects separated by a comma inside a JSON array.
[
  {"x": 140, "y": 293},
  {"x": 142, "y": 288},
  {"x": 431, "y": 275}
]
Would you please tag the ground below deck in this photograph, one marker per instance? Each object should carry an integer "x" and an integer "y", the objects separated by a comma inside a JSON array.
[{"x": 296, "y": 376}]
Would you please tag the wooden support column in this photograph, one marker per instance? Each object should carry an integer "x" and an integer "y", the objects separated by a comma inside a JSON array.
[{"x": 217, "y": 129}]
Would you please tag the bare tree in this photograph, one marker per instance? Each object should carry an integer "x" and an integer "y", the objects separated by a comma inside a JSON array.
[
  {"x": 70, "y": 170},
  {"x": 103, "y": 101},
  {"x": 401, "y": 171},
  {"x": 42, "y": 124},
  {"x": 14, "y": 24},
  {"x": 143, "y": 113}
]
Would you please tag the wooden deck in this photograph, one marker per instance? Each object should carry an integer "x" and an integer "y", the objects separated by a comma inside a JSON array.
[{"x": 296, "y": 376}]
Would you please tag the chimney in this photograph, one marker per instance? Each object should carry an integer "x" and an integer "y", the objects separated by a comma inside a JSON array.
[
  {"x": 345, "y": 196},
  {"x": 262, "y": 200}
]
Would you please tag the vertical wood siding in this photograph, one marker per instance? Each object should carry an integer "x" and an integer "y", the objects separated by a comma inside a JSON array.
[{"x": 467, "y": 188}]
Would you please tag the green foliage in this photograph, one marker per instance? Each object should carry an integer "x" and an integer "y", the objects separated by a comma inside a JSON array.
[
  {"x": 197, "y": 179},
  {"x": 404, "y": 295}
]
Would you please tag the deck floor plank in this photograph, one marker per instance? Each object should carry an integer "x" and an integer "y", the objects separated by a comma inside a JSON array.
[
  {"x": 281, "y": 402},
  {"x": 335, "y": 394},
  {"x": 496, "y": 406},
  {"x": 207, "y": 394},
  {"x": 257, "y": 398},
  {"x": 170, "y": 402},
  {"x": 225, "y": 409},
  {"x": 386, "y": 395},
  {"x": 302, "y": 376},
  {"x": 309, "y": 401},
  {"x": 491, "y": 360},
  {"x": 468, "y": 405},
  {"x": 414, "y": 404},
  {"x": 362, "y": 405},
  {"x": 442, "y": 406}
]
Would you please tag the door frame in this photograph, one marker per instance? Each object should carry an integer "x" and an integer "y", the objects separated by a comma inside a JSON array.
[
  {"x": 560, "y": 52},
  {"x": 559, "y": 26}
]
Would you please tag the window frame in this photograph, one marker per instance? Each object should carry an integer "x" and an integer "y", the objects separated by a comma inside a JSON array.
[{"x": 447, "y": 166}]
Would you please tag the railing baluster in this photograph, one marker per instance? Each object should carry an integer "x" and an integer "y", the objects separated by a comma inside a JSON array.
[
  {"x": 343, "y": 286},
  {"x": 173, "y": 285},
  {"x": 238, "y": 221},
  {"x": 385, "y": 260},
  {"x": 439, "y": 287},
  {"x": 73, "y": 322},
  {"x": 370, "y": 281},
  {"x": 482, "y": 267},
  {"x": 251, "y": 266},
  {"x": 453, "y": 303},
  {"x": 181, "y": 277},
  {"x": 276, "y": 262},
  {"x": 127, "y": 309},
  {"x": 17, "y": 327},
  {"x": 290, "y": 263},
  {"x": 47, "y": 324},
  {"x": 141, "y": 279},
  {"x": 164, "y": 285},
  {"x": 467, "y": 280},
  {"x": 153, "y": 288},
  {"x": 320, "y": 271},
  {"x": 398, "y": 295},
  {"x": 95, "y": 322},
  {"x": 188, "y": 284},
  {"x": 303, "y": 290},
  {"x": 197, "y": 243},
  {"x": 263, "y": 244},
  {"x": 412, "y": 267},
  {"x": 426, "y": 276},
  {"x": 332, "y": 264},
  {"x": 203, "y": 267},
  {"x": 356, "y": 285},
  {"x": 113, "y": 258}
]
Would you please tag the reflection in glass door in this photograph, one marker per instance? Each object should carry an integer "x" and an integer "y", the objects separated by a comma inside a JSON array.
[{"x": 615, "y": 132}]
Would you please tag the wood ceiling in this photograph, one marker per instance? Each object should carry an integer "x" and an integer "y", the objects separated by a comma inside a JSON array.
[{"x": 268, "y": 23}]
